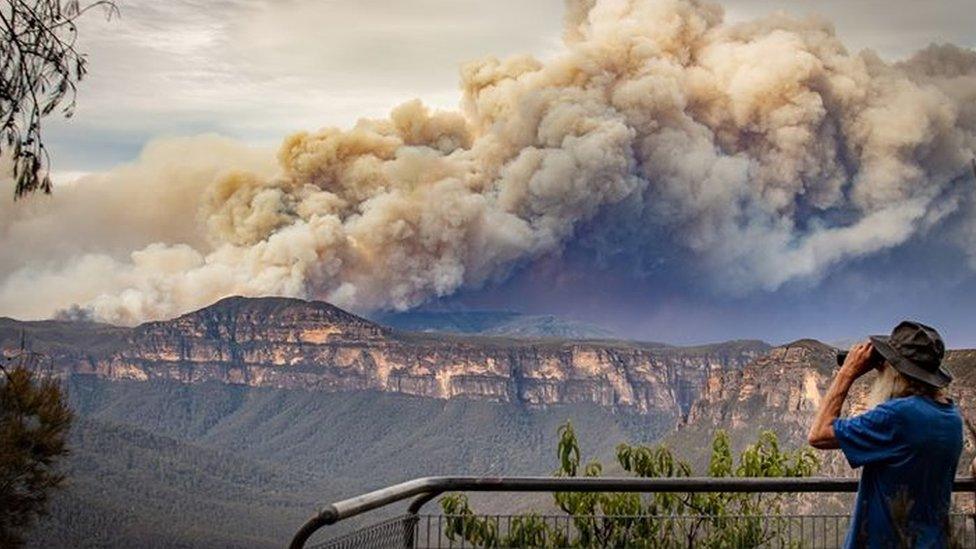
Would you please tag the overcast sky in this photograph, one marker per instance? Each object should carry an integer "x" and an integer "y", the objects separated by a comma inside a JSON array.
[{"x": 259, "y": 70}]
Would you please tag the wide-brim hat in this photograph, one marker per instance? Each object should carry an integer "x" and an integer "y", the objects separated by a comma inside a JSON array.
[{"x": 916, "y": 351}]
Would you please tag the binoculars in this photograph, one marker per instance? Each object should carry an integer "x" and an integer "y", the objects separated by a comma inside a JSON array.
[{"x": 875, "y": 357}]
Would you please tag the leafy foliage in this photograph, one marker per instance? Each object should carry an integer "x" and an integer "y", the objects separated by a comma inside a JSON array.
[
  {"x": 634, "y": 520},
  {"x": 34, "y": 422},
  {"x": 39, "y": 70}
]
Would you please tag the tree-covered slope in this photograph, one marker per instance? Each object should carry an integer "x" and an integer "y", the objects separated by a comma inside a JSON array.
[{"x": 166, "y": 464}]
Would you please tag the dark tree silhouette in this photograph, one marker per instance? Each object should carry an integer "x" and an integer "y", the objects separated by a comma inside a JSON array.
[
  {"x": 34, "y": 423},
  {"x": 39, "y": 70}
]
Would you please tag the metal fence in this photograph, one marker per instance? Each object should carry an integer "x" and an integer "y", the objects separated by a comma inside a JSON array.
[
  {"x": 687, "y": 531},
  {"x": 412, "y": 529}
]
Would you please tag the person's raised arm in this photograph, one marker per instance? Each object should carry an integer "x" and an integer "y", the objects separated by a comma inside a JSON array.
[{"x": 858, "y": 363}]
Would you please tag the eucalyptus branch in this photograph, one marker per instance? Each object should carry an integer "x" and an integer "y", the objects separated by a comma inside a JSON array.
[{"x": 39, "y": 72}]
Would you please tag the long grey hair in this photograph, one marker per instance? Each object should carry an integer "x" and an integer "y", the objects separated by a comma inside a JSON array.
[{"x": 890, "y": 384}]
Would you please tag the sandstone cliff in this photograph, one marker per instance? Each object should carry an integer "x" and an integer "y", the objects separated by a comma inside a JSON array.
[
  {"x": 781, "y": 391},
  {"x": 290, "y": 343}
]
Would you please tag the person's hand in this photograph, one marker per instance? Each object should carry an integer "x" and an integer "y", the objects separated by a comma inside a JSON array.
[{"x": 858, "y": 361}]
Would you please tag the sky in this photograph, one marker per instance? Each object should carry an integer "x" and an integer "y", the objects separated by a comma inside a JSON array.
[{"x": 257, "y": 71}]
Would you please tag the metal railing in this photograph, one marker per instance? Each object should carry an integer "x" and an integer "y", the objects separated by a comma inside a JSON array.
[
  {"x": 414, "y": 530},
  {"x": 820, "y": 531}
]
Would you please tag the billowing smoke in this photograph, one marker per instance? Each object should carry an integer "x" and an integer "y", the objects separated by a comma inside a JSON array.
[{"x": 765, "y": 151}]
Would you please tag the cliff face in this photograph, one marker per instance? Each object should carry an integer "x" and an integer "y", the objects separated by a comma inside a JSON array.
[
  {"x": 786, "y": 383},
  {"x": 782, "y": 390},
  {"x": 294, "y": 344}
]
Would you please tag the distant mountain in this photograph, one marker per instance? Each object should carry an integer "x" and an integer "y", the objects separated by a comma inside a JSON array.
[
  {"x": 550, "y": 326},
  {"x": 455, "y": 322},
  {"x": 294, "y": 344},
  {"x": 500, "y": 323}
]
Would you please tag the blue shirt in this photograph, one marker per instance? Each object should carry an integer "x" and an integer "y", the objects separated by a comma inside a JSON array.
[{"x": 909, "y": 448}]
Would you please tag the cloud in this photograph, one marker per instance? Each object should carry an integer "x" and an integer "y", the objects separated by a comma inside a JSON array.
[
  {"x": 259, "y": 69},
  {"x": 764, "y": 150}
]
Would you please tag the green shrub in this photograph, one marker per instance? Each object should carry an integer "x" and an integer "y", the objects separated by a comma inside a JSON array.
[{"x": 713, "y": 520}]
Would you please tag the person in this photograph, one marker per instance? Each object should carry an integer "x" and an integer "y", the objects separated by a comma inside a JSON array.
[{"x": 908, "y": 441}]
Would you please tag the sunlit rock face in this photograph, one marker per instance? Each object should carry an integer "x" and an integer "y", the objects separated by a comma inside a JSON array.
[
  {"x": 781, "y": 391},
  {"x": 295, "y": 344},
  {"x": 789, "y": 380}
]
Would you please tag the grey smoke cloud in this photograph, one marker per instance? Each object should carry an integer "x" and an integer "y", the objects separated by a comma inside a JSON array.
[{"x": 765, "y": 150}]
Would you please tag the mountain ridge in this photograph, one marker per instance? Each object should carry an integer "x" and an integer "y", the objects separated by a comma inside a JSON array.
[
  {"x": 295, "y": 344},
  {"x": 489, "y": 322}
]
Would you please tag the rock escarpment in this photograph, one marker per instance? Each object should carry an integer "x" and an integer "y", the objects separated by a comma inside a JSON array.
[
  {"x": 782, "y": 390},
  {"x": 786, "y": 383},
  {"x": 295, "y": 344}
]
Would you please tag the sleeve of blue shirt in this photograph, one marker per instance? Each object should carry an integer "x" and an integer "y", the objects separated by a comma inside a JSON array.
[{"x": 868, "y": 438}]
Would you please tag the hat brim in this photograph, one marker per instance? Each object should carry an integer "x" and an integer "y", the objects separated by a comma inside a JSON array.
[{"x": 938, "y": 379}]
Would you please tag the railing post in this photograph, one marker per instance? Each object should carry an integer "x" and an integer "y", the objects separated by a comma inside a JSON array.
[
  {"x": 422, "y": 500},
  {"x": 409, "y": 538},
  {"x": 327, "y": 515},
  {"x": 972, "y": 469},
  {"x": 409, "y": 529}
]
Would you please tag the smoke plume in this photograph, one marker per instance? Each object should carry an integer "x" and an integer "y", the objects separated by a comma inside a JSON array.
[{"x": 764, "y": 150}]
